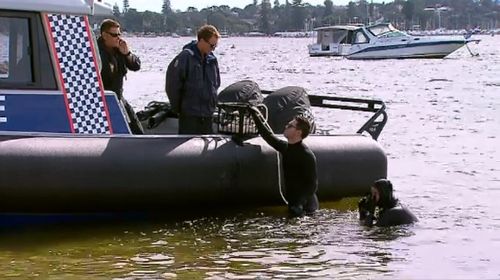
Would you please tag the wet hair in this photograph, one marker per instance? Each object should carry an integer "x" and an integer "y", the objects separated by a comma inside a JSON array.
[
  {"x": 385, "y": 190},
  {"x": 207, "y": 31},
  {"x": 303, "y": 125},
  {"x": 107, "y": 24}
]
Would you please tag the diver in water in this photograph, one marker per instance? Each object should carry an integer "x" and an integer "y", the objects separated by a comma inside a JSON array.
[
  {"x": 382, "y": 208},
  {"x": 299, "y": 163}
]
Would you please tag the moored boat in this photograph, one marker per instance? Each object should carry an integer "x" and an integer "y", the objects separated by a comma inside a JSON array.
[{"x": 381, "y": 41}]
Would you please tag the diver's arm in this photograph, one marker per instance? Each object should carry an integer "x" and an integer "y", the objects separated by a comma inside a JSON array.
[
  {"x": 366, "y": 210},
  {"x": 266, "y": 132},
  {"x": 368, "y": 221}
]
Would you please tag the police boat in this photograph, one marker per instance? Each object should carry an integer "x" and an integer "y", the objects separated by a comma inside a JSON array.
[{"x": 66, "y": 147}]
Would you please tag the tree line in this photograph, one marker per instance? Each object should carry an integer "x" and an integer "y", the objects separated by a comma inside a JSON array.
[{"x": 296, "y": 15}]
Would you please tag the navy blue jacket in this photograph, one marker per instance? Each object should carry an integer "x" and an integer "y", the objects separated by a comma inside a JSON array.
[{"x": 192, "y": 83}]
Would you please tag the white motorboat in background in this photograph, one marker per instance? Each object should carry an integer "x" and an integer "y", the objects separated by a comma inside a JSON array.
[{"x": 381, "y": 41}]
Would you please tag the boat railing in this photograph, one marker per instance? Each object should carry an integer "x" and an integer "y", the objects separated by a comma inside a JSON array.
[
  {"x": 373, "y": 126},
  {"x": 234, "y": 118}
]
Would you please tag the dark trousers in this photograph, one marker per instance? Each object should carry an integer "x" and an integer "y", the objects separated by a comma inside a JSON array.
[
  {"x": 134, "y": 123},
  {"x": 195, "y": 125}
]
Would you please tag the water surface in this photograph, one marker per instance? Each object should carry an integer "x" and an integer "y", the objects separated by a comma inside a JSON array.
[{"x": 443, "y": 150}]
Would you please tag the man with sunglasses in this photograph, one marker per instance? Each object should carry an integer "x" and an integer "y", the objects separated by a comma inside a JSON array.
[
  {"x": 299, "y": 162},
  {"x": 192, "y": 81},
  {"x": 116, "y": 58}
]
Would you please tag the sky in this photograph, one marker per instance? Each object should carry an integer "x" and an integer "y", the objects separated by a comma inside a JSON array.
[{"x": 155, "y": 5}]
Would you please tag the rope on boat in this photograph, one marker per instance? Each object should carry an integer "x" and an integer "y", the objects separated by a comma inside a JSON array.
[
  {"x": 470, "y": 51},
  {"x": 278, "y": 157}
]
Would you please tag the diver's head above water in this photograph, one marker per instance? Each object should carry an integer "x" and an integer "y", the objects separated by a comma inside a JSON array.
[{"x": 382, "y": 194}]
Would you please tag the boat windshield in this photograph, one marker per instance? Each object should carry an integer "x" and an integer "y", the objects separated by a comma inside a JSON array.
[
  {"x": 391, "y": 34},
  {"x": 335, "y": 36},
  {"x": 381, "y": 29}
]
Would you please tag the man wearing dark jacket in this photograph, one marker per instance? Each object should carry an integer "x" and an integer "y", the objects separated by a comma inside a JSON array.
[
  {"x": 299, "y": 163},
  {"x": 192, "y": 82},
  {"x": 116, "y": 58}
]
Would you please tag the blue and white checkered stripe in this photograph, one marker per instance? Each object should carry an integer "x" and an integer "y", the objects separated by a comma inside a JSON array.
[
  {"x": 3, "y": 118},
  {"x": 73, "y": 48}
]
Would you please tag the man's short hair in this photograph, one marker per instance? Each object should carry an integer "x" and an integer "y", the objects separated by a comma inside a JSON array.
[
  {"x": 303, "y": 125},
  {"x": 207, "y": 31},
  {"x": 107, "y": 24}
]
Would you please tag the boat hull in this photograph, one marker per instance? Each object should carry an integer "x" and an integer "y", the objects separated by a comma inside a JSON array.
[
  {"x": 412, "y": 50},
  {"x": 62, "y": 174}
]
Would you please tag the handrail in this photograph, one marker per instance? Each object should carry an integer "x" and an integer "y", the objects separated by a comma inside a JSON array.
[{"x": 372, "y": 126}]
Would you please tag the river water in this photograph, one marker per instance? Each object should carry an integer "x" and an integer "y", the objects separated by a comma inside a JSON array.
[{"x": 443, "y": 147}]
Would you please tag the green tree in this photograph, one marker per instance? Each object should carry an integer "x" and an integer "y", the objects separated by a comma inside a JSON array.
[
  {"x": 166, "y": 8},
  {"x": 265, "y": 14},
  {"x": 408, "y": 11},
  {"x": 152, "y": 22},
  {"x": 249, "y": 12},
  {"x": 172, "y": 23},
  {"x": 364, "y": 11},
  {"x": 298, "y": 15},
  {"x": 327, "y": 17},
  {"x": 133, "y": 21},
  {"x": 291, "y": 15},
  {"x": 371, "y": 10},
  {"x": 352, "y": 11},
  {"x": 125, "y": 6},
  {"x": 287, "y": 14},
  {"x": 328, "y": 8},
  {"x": 116, "y": 10}
]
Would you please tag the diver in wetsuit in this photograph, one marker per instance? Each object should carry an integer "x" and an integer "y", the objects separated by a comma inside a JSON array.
[
  {"x": 382, "y": 208},
  {"x": 299, "y": 163}
]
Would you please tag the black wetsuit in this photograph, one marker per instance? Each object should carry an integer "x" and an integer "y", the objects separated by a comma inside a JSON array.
[
  {"x": 299, "y": 166},
  {"x": 392, "y": 215},
  {"x": 398, "y": 215}
]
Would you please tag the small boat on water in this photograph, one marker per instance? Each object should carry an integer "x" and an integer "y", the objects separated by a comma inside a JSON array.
[
  {"x": 66, "y": 147},
  {"x": 381, "y": 41}
]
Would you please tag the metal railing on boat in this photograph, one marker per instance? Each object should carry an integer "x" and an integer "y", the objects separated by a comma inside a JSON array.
[{"x": 372, "y": 126}]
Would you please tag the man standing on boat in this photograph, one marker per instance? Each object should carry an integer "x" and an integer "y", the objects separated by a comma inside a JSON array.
[
  {"x": 192, "y": 82},
  {"x": 299, "y": 163},
  {"x": 116, "y": 58}
]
